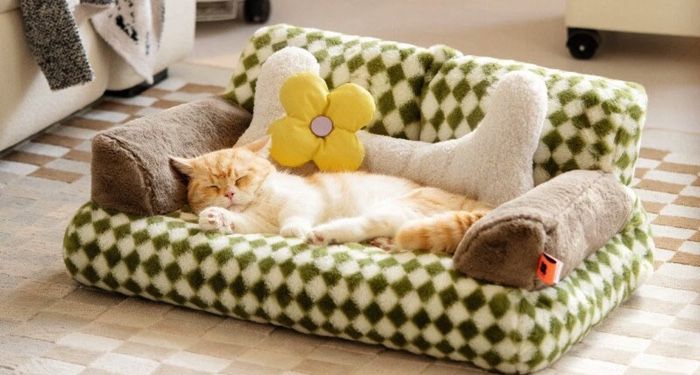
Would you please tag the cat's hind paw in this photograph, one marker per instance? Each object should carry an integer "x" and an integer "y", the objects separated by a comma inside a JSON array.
[
  {"x": 387, "y": 244},
  {"x": 317, "y": 238},
  {"x": 338, "y": 231},
  {"x": 295, "y": 230},
  {"x": 216, "y": 219},
  {"x": 384, "y": 243}
]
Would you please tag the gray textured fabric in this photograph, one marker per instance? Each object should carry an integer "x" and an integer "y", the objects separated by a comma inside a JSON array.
[
  {"x": 568, "y": 217},
  {"x": 52, "y": 34},
  {"x": 131, "y": 171},
  {"x": 53, "y": 39}
]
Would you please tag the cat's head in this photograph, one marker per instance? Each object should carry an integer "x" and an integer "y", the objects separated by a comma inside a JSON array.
[{"x": 228, "y": 178}]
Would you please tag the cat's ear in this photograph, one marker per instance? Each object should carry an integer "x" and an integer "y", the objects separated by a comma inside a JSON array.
[
  {"x": 183, "y": 165},
  {"x": 260, "y": 146}
]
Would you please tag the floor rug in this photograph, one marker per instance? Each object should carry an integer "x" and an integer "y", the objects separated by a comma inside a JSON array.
[{"x": 50, "y": 325}]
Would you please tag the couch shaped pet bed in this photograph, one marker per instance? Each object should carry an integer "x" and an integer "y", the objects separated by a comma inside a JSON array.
[{"x": 411, "y": 301}]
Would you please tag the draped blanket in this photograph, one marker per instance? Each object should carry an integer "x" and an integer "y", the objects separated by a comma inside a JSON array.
[{"x": 131, "y": 27}]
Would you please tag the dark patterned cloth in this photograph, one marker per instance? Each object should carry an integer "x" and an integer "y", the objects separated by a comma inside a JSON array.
[{"x": 52, "y": 34}]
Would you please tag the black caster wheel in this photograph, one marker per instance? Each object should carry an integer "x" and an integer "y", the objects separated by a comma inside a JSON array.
[
  {"x": 582, "y": 43},
  {"x": 256, "y": 11}
]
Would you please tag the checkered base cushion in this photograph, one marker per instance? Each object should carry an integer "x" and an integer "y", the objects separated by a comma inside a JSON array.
[
  {"x": 409, "y": 301},
  {"x": 435, "y": 94}
]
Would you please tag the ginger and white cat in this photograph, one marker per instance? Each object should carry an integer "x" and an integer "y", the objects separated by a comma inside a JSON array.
[{"x": 238, "y": 190}]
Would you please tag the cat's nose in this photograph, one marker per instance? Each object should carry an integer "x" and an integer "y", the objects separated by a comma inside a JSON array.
[{"x": 229, "y": 194}]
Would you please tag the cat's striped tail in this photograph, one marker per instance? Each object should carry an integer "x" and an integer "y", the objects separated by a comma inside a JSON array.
[{"x": 439, "y": 233}]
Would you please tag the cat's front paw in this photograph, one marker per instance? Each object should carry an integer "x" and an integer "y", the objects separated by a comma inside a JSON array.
[
  {"x": 317, "y": 238},
  {"x": 331, "y": 233},
  {"x": 216, "y": 219},
  {"x": 295, "y": 230}
]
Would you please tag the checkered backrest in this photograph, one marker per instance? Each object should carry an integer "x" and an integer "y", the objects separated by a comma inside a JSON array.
[
  {"x": 394, "y": 73},
  {"x": 592, "y": 122},
  {"x": 435, "y": 94}
]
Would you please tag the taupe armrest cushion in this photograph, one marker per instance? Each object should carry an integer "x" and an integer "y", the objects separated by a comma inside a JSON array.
[
  {"x": 131, "y": 171},
  {"x": 568, "y": 217}
]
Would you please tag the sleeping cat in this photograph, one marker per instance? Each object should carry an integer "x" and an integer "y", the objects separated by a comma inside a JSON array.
[{"x": 237, "y": 190}]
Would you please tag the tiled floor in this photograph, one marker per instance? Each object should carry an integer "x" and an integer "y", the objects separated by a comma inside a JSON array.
[
  {"x": 62, "y": 153},
  {"x": 48, "y": 324}
]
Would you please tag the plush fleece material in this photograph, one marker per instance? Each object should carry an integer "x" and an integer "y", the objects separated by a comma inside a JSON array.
[
  {"x": 568, "y": 217},
  {"x": 130, "y": 166},
  {"x": 492, "y": 164},
  {"x": 277, "y": 68}
]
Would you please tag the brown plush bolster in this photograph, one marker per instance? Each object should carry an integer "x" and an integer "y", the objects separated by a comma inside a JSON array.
[
  {"x": 568, "y": 217},
  {"x": 131, "y": 171}
]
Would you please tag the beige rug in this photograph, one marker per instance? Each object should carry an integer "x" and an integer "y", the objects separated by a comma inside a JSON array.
[{"x": 50, "y": 325}]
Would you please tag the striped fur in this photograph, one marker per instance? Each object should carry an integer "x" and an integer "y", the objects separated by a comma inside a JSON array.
[{"x": 438, "y": 233}]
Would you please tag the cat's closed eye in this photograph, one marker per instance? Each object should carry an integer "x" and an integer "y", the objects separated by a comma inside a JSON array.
[
  {"x": 213, "y": 187},
  {"x": 243, "y": 180}
]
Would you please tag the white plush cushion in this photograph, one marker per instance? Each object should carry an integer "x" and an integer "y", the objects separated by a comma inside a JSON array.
[{"x": 482, "y": 165}]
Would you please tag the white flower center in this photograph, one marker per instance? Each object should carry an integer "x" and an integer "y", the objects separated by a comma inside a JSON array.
[{"x": 321, "y": 126}]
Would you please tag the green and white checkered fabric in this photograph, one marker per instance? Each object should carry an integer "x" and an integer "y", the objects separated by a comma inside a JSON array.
[
  {"x": 592, "y": 122},
  {"x": 409, "y": 301},
  {"x": 435, "y": 94},
  {"x": 394, "y": 73}
]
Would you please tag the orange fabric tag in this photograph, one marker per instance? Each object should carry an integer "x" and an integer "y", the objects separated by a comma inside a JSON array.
[{"x": 549, "y": 269}]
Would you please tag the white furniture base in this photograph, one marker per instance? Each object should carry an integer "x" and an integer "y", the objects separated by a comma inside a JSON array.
[
  {"x": 27, "y": 105},
  {"x": 667, "y": 17}
]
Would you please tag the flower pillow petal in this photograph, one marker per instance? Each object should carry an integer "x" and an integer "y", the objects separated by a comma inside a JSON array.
[
  {"x": 304, "y": 96},
  {"x": 293, "y": 143},
  {"x": 350, "y": 107},
  {"x": 320, "y": 126},
  {"x": 340, "y": 151}
]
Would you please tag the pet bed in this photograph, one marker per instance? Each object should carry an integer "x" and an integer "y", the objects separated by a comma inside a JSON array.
[{"x": 411, "y": 301}]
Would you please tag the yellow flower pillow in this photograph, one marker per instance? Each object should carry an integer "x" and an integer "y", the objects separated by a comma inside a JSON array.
[{"x": 320, "y": 125}]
